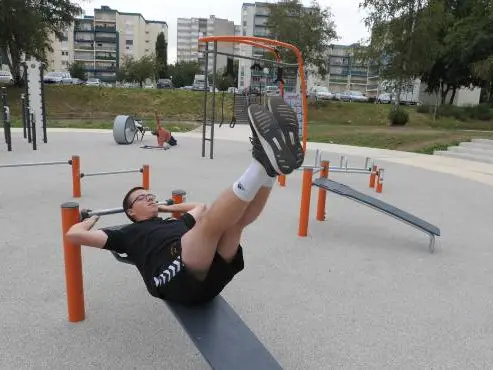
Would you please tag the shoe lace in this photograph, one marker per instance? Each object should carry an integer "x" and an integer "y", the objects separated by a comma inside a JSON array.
[{"x": 255, "y": 143}]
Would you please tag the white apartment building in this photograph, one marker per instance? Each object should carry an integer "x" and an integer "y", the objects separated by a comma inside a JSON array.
[
  {"x": 189, "y": 30},
  {"x": 102, "y": 42}
]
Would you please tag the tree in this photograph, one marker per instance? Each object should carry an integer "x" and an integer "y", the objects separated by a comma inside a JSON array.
[
  {"x": 161, "y": 56},
  {"x": 137, "y": 70},
  {"x": 403, "y": 39},
  {"x": 27, "y": 25},
  {"x": 78, "y": 70},
  {"x": 183, "y": 73},
  {"x": 310, "y": 29}
]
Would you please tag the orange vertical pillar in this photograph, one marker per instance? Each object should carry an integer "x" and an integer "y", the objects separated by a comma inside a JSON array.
[
  {"x": 73, "y": 265},
  {"x": 75, "y": 162},
  {"x": 178, "y": 197},
  {"x": 322, "y": 194},
  {"x": 306, "y": 189},
  {"x": 145, "y": 177}
]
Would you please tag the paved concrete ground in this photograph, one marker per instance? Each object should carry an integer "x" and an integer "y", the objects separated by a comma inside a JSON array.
[{"x": 361, "y": 291}]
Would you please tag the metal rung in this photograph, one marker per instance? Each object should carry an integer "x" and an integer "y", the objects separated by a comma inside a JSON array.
[{"x": 207, "y": 139}]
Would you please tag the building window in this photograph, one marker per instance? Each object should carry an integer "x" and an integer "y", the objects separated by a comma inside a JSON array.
[{"x": 129, "y": 42}]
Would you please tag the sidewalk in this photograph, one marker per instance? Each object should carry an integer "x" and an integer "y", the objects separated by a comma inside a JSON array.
[{"x": 476, "y": 171}]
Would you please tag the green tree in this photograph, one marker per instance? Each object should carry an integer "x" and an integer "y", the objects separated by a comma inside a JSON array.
[
  {"x": 137, "y": 70},
  {"x": 78, "y": 70},
  {"x": 310, "y": 29},
  {"x": 161, "y": 56},
  {"x": 183, "y": 73},
  {"x": 403, "y": 39},
  {"x": 27, "y": 25}
]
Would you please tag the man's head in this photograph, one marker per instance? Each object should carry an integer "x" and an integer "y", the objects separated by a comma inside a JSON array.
[{"x": 140, "y": 205}]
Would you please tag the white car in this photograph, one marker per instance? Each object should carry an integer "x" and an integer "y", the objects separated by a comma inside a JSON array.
[
  {"x": 93, "y": 82},
  {"x": 6, "y": 78},
  {"x": 61, "y": 78},
  {"x": 353, "y": 96},
  {"x": 320, "y": 93}
]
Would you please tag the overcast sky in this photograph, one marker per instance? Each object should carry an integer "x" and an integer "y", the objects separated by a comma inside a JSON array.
[{"x": 346, "y": 15}]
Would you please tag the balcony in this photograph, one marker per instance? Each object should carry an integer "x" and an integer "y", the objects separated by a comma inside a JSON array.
[
  {"x": 78, "y": 39},
  {"x": 106, "y": 57},
  {"x": 83, "y": 29},
  {"x": 107, "y": 39},
  {"x": 105, "y": 29},
  {"x": 83, "y": 47},
  {"x": 83, "y": 56}
]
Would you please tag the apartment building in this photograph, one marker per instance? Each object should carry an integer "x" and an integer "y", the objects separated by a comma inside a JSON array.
[
  {"x": 346, "y": 72},
  {"x": 102, "y": 42},
  {"x": 189, "y": 30}
]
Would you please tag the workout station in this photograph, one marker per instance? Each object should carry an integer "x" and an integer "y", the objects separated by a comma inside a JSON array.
[{"x": 294, "y": 306}]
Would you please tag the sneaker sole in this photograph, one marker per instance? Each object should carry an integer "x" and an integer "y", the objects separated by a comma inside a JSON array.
[
  {"x": 288, "y": 122},
  {"x": 272, "y": 139}
]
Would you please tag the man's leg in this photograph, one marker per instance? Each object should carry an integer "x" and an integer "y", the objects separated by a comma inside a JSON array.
[
  {"x": 230, "y": 240},
  {"x": 199, "y": 245}
]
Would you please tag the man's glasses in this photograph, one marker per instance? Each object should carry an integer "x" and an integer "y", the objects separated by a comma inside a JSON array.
[{"x": 142, "y": 197}]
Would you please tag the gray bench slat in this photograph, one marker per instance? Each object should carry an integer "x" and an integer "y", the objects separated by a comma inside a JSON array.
[
  {"x": 220, "y": 335},
  {"x": 346, "y": 191}
]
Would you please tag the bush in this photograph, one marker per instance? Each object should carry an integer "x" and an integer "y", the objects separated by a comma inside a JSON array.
[
  {"x": 398, "y": 117},
  {"x": 424, "y": 109}
]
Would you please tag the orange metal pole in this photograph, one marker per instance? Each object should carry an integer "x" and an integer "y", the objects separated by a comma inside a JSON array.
[
  {"x": 379, "y": 187},
  {"x": 322, "y": 194},
  {"x": 178, "y": 197},
  {"x": 145, "y": 176},
  {"x": 373, "y": 174},
  {"x": 75, "y": 162},
  {"x": 73, "y": 265},
  {"x": 281, "y": 179},
  {"x": 306, "y": 190}
]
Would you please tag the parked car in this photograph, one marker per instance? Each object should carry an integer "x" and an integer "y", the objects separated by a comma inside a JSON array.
[
  {"x": 6, "y": 78},
  {"x": 164, "y": 83},
  {"x": 385, "y": 98},
  {"x": 352, "y": 95},
  {"x": 320, "y": 93},
  {"x": 61, "y": 78},
  {"x": 272, "y": 91},
  {"x": 93, "y": 82}
]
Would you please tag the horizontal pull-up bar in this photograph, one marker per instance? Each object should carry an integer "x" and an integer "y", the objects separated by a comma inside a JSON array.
[
  {"x": 102, "y": 173},
  {"x": 34, "y": 164},
  {"x": 115, "y": 211},
  {"x": 251, "y": 58}
]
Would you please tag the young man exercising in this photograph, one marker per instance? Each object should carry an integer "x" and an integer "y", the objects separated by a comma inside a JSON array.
[{"x": 190, "y": 260}]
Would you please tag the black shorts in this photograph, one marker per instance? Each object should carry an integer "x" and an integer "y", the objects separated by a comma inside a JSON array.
[{"x": 186, "y": 289}]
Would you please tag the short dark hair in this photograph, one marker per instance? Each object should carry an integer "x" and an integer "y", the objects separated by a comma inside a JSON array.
[{"x": 126, "y": 201}]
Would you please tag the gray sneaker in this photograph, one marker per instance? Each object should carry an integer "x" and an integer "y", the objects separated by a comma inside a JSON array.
[
  {"x": 272, "y": 140},
  {"x": 288, "y": 121},
  {"x": 258, "y": 154}
]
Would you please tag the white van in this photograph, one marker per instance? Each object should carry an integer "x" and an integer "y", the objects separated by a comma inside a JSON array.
[{"x": 6, "y": 78}]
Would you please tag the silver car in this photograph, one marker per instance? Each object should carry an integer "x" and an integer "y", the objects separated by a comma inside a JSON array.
[
  {"x": 6, "y": 78},
  {"x": 320, "y": 93},
  {"x": 353, "y": 96}
]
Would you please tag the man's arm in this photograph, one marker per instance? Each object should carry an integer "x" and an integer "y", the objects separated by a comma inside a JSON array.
[
  {"x": 181, "y": 207},
  {"x": 82, "y": 234}
]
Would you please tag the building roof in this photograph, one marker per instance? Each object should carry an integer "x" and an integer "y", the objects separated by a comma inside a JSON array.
[{"x": 105, "y": 8}]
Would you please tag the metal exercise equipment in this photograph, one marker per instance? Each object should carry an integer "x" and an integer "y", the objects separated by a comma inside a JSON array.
[
  {"x": 221, "y": 336},
  {"x": 267, "y": 44},
  {"x": 324, "y": 185},
  {"x": 6, "y": 119}
]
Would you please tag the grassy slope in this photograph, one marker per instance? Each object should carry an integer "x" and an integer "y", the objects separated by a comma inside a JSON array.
[{"x": 344, "y": 123}]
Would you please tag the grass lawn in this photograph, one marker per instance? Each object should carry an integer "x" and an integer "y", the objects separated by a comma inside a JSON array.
[{"x": 336, "y": 122}]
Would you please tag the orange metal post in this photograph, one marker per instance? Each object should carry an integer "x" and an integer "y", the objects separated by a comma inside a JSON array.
[
  {"x": 145, "y": 176},
  {"x": 281, "y": 179},
  {"x": 73, "y": 265},
  {"x": 75, "y": 162},
  {"x": 322, "y": 194},
  {"x": 373, "y": 174},
  {"x": 379, "y": 181},
  {"x": 178, "y": 197},
  {"x": 306, "y": 190}
]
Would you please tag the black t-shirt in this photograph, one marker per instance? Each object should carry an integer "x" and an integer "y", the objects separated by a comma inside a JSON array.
[{"x": 149, "y": 244}]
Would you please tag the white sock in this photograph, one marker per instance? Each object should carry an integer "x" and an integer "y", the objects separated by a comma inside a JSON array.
[
  {"x": 247, "y": 186},
  {"x": 269, "y": 182}
]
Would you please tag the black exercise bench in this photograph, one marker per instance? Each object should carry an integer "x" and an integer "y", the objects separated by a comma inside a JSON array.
[
  {"x": 217, "y": 331},
  {"x": 377, "y": 204}
]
